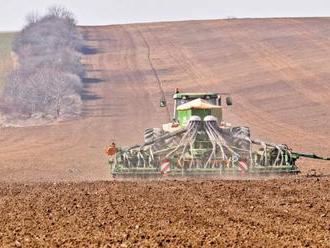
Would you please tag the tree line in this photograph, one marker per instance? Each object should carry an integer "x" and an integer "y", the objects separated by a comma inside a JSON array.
[{"x": 48, "y": 78}]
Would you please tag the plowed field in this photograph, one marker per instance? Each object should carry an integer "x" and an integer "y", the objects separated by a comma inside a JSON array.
[
  {"x": 278, "y": 71},
  {"x": 167, "y": 213}
]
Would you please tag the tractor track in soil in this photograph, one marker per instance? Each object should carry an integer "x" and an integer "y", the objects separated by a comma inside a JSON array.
[{"x": 278, "y": 71}]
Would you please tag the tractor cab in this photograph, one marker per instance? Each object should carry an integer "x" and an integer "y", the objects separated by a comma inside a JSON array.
[
  {"x": 195, "y": 104},
  {"x": 200, "y": 104},
  {"x": 197, "y": 107}
]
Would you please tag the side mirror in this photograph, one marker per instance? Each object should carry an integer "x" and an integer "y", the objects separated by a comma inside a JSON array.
[
  {"x": 229, "y": 101},
  {"x": 162, "y": 103}
]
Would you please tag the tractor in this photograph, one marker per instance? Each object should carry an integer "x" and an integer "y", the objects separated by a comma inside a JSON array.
[{"x": 199, "y": 143}]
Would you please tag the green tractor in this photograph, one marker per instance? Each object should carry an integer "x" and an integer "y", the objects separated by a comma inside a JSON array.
[{"x": 199, "y": 143}]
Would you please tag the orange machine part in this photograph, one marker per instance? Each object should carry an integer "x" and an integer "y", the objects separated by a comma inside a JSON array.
[{"x": 111, "y": 150}]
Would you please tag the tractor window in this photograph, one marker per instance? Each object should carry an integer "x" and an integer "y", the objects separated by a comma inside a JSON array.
[
  {"x": 181, "y": 101},
  {"x": 212, "y": 100}
]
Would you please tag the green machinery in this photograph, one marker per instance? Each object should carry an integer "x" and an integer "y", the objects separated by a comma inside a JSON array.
[{"x": 199, "y": 143}]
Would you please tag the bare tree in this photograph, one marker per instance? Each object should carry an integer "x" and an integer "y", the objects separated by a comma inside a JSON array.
[
  {"x": 32, "y": 18},
  {"x": 61, "y": 12},
  {"x": 48, "y": 79}
]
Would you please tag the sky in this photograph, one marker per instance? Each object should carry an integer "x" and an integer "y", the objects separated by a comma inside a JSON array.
[{"x": 103, "y": 12}]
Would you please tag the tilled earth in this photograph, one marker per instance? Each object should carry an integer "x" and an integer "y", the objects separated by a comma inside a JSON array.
[
  {"x": 290, "y": 212},
  {"x": 277, "y": 70}
]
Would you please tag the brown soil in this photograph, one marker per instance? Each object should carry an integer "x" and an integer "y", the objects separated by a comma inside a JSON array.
[
  {"x": 273, "y": 213},
  {"x": 278, "y": 71}
]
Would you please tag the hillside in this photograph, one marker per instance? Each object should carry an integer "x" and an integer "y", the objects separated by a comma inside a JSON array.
[{"x": 278, "y": 71}]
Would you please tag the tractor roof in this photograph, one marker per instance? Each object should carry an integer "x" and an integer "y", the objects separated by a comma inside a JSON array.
[
  {"x": 194, "y": 95},
  {"x": 198, "y": 104}
]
